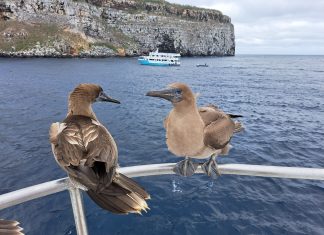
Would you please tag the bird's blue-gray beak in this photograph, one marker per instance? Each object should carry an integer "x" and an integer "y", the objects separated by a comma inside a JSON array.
[
  {"x": 105, "y": 98},
  {"x": 174, "y": 94}
]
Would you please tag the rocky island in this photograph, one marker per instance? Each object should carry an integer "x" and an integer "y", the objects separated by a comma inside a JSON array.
[{"x": 101, "y": 28}]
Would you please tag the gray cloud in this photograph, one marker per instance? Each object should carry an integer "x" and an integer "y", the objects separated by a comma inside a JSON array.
[{"x": 273, "y": 27}]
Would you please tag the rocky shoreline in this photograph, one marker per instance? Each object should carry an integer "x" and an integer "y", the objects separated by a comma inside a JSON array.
[{"x": 106, "y": 28}]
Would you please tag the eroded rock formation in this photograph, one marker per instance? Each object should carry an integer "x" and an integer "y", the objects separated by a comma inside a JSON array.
[{"x": 111, "y": 27}]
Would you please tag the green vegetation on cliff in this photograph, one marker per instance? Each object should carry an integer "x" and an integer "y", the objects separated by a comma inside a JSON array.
[{"x": 18, "y": 36}]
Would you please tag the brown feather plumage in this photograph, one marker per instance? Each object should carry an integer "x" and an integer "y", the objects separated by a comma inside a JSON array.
[
  {"x": 10, "y": 227},
  {"x": 186, "y": 119},
  {"x": 219, "y": 127},
  {"x": 84, "y": 148}
]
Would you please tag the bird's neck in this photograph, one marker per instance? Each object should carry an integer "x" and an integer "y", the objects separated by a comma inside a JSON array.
[
  {"x": 81, "y": 108},
  {"x": 187, "y": 108},
  {"x": 185, "y": 130}
]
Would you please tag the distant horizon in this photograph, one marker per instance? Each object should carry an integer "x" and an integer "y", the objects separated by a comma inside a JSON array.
[{"x": 279, "y": 54}]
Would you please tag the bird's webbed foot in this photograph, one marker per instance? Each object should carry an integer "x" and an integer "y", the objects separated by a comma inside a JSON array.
[
  {"x": 211, "y": 168},
  {"x": 185, "y": 167}
]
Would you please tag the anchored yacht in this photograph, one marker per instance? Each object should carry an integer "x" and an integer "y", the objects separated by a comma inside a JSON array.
[{"x": 160, "y": 59}]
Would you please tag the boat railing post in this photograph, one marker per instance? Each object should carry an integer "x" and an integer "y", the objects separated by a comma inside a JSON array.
[{"x": 78, "y": 210}]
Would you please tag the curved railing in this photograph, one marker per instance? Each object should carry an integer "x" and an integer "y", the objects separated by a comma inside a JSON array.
[{"x": 51, "y": 187}]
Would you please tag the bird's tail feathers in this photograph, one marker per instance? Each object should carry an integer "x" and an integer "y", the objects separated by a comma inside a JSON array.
[
  {"x": 123, "y": 196},
  {"x": 238, "y": 127},
  {"x": 10, "y": 227},
  {"x": 234, "y": 115}
]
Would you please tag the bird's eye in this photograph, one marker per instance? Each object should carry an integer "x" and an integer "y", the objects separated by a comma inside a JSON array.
[{"x": 178, "y": 92}]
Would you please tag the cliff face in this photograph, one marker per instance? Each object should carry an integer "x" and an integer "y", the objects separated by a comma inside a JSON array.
[{"x": 111, "y": 27}]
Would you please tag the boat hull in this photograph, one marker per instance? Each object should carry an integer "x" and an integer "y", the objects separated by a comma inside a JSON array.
[{"x": 153, "y": 63}]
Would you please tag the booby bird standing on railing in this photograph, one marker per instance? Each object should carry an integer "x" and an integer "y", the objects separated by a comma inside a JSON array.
[
  {"x": 84, "y": 148},
  {"x": 193, "y": 132},
  {"x": 10, "y": 227}
]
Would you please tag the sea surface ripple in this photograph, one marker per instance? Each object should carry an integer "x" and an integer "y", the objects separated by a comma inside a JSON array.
[{"x": 280, "y": 97}]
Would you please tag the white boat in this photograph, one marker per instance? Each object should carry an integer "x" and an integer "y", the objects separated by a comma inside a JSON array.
[{"x": 160, "y": 59}]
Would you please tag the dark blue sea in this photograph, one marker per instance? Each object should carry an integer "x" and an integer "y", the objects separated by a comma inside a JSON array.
[{"x": 280, "y": 97}]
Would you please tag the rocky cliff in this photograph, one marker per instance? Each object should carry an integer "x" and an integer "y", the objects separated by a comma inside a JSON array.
[{"x": 111, "y": 27}]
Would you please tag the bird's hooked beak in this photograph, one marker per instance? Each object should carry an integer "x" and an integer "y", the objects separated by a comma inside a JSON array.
[
  {"x": 174, "y": 94},
  {"x": 105, "y": 98}
]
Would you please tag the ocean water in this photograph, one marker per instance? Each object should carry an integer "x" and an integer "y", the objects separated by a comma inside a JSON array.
[{"x": 280, "y": 97}]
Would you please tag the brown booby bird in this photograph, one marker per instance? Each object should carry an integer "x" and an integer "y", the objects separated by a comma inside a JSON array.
[
  {"x": 84, "y": 148},
  {"x": 10, "y": 227},
  {"x": 193, "y": 132}
]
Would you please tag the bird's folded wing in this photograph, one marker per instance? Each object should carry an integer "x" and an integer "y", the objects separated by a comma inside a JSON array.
[
  {"x": 210, "y": 114},
  {"x": 10, "y": 227},
  {"x": 81, "y": 140},
  {"x": 219, "y": 127},
  {"x": 218, "y": 133},
  {"x": 67, "y": 144}
]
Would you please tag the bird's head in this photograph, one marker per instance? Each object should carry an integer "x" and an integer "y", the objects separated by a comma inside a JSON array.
[
  {"x": 176, "y": 93},
  {"x": 90, "y": 93}
]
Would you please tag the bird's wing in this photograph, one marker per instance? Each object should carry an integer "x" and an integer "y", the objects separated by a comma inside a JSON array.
[
  {"x": 219, "y": 127},
  {"x": 80, "y": 143},
  {"x": 67, "y": 144},
  {"x": 10, "y": 227},
  {"x": 210, "y": 113}
]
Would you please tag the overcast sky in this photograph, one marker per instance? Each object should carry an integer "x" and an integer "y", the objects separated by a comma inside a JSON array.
[{"x": 272, "y": 27}]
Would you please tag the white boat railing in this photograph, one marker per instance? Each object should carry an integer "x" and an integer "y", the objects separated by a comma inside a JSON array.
[{"x": 41, "y": 190}]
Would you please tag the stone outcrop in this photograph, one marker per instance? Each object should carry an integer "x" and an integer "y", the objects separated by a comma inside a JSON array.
[{"x": 111, "y": 27}]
